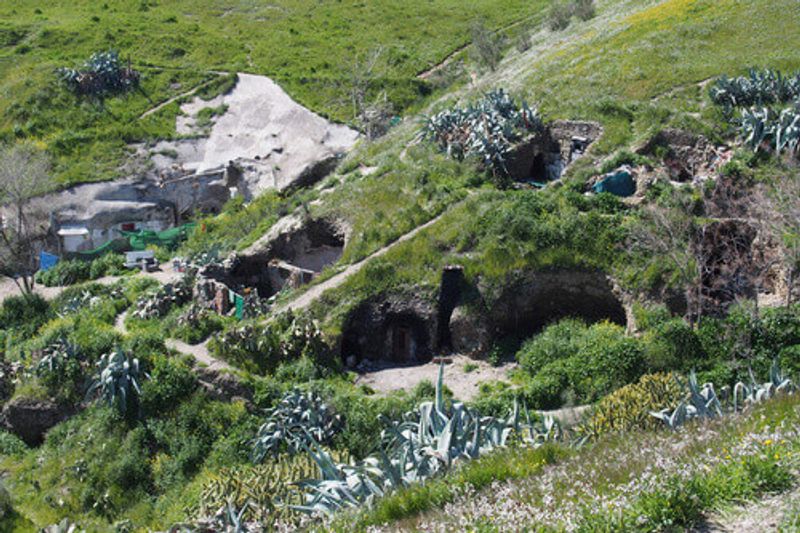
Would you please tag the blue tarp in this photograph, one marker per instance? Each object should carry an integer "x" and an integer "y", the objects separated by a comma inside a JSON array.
[
  {"x": 47, "y": 261},
  {"x": 619, "y": 183}
]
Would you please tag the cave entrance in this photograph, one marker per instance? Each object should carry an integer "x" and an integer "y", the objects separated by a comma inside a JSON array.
[
  {"x": 291, "y": 259},
  {"x": 530, "y": 305},
  {"x": 402, "y": 345},
  {"x": 389, "y": 332}
]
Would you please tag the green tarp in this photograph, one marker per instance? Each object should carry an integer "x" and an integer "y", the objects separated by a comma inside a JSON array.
[
  {"x": 138, "y": 241},
  {"x": 619, "y": 183}
]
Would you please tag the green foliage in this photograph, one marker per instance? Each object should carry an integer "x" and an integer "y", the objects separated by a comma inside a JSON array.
[
  {"x": 195, "y": 324},
  {"x": 117, "y": 381},
  {"x": 759, "y": 87},
  {"x": 24, "y": 313},
  {"x": 629, "y": 408},
  {"x": 425, "y": 443},
  {"x": 65, "y": 272},
  {"x": 572, "y": 362},
  {"x": 672, "y": 346},
  {"x": 169, "y": 384},
  {"x": 103, "y": 74},
  {"x": 485, "y": 130},
  {"x": 562, "y": 11},
  {"x": 298, "y": 421},
  {"x": 11, "y": 445},
  {"x": 262, "y": 348},
  {"x": 487, "y": 46}
]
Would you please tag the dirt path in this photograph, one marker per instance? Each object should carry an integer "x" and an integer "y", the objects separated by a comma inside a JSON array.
[
  {"x": 464, "y": 384},
  {"x": 199, "y": 352},
  {"x": 314, "y": 292},
  {"x": 168, "y": 101},
  {"x": 9, "y": 288},
  {"x": 765, "y": 515}
]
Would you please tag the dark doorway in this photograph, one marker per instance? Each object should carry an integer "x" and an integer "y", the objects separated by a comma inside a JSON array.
[{"x": 402, "y": 350}]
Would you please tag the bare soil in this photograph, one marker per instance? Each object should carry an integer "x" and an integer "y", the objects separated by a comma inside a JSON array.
[{"x": 465, "y": 385}]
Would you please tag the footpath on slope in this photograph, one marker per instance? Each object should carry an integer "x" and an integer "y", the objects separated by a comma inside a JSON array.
[
  {"x": 9, "y": 288},
  {"x": 199, "y": 352},
  {"x": 305, "y": 299}
]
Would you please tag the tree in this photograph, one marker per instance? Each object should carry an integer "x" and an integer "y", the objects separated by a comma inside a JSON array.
[
  {"x": 780, "y": 212},
  {"x": 487, "y": 46},
  {"x": 24, "y": 174}
]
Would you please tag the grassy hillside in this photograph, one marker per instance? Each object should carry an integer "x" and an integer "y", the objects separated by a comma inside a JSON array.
[
  {"x": 638, "y": 66},
  {"x": 308, "y": 47}
]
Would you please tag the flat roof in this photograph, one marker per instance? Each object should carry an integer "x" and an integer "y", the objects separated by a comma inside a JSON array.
[{"x": 70, "y": 232}]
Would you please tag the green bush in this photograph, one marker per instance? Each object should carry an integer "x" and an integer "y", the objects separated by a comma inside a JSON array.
[
  {"x": 170, "y": 382},
  {"x": 65, "y": 272},
  {"x": 570, "y": 362},
  {"x": 673, "y": 345},
  {"x": 10, "y": 444},
  {"x": 558, "y": 341},
  {"x": 26, "y": 313}
]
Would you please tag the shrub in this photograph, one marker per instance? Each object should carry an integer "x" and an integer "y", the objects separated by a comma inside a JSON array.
[
  {"x": 557, "y": 341},
  {"x": 170, "y": 382},
  {"x": 673, "y": 345},
  {"x": 487, "y": 46},
  {"x": 65, "y": 272},
  {"x": 629, "y": 407},
  {"x": 583, "y": 9},
  {"x": 560, "y": 14},
  {"x": 102, "y": 74},
  {"x": 569, "y": 362},
  {"x": 10, "y": 444},
  {"x": 27, "y": 312}
]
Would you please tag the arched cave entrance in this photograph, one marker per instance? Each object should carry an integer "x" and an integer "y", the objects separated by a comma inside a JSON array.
[
  {"x": 391, "y": 331},
  {"x": 530, "y": 304}
]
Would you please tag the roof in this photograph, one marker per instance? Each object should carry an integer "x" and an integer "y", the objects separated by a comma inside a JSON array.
[{"x": 70, "y": 232}]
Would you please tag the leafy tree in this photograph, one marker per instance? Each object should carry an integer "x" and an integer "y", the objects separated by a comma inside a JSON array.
[{"x": 24, "y": 174}]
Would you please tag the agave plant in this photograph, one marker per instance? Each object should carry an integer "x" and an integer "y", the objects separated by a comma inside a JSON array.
[
  {"x": 701, "y": 402},
  {"x": 759, "y": 87},
  {"x": 754, "y": 392},
  {"x": 485, "y": 129},
  {"x": 102, "y": 74},
  {"x": 55, "y": 356},
  {"x": 117, "y": 381},
  {"x": 760, "y": 127},
  {"x": 427, "y": 441},
  {"x": 298, "y": 419}
]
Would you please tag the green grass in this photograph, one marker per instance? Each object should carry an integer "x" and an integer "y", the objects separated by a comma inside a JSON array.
[
  {"x": 306, "y": 46},
  {"x": 611, "y": 485}
]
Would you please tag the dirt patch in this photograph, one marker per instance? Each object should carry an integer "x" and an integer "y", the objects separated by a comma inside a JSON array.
[
  {"x": 464, "y": 384},
  {"x": 686, "y": 157}
]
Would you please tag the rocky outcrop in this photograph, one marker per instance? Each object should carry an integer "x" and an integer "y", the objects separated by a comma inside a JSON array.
[
  {"x": 469, "y": 331},
  {"x": 31, "y": 418}
]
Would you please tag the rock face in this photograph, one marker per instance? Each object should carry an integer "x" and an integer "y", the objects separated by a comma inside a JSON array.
[
  {"x": 277, "y": 142},
  {"x": 469, "y": 331},
  {"x": 31, "y": 418},
  {"x": 222, "y": 386}
]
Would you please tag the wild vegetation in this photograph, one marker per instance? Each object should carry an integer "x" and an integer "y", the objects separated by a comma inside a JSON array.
[{"x": 161, "y": 440}]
